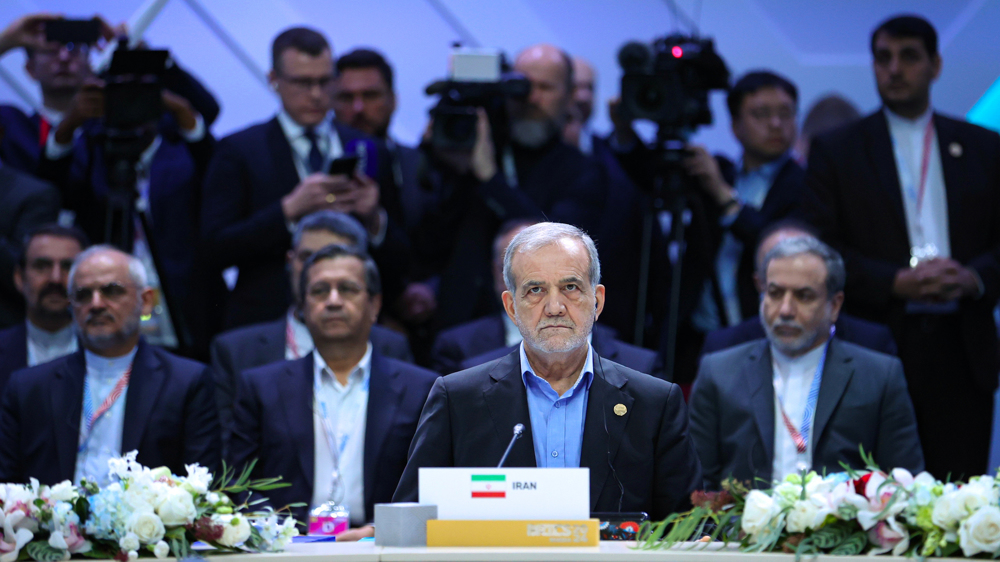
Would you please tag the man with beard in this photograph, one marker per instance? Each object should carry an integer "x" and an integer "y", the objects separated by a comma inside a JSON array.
[
  {"x": 40, "y": 276},
  {"x": 65, "y": 419},
  {"x": 801, "y": 399},
  {"x": 911, "y": 198},
  {"x": 535, "y": 175},
  {"x": 578, "y": 409}
]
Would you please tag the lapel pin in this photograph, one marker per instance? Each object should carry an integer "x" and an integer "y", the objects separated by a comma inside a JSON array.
[
  {"x": 955, "y": 150},
  {"x": 620, "y": 409}
]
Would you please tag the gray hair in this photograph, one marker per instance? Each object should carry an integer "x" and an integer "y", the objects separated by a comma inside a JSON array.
[
  {"x": 791, "y": 247},
  {"x": 340, "y": 224},
  {"x": 541, "y": 235},
  {"x": 136, "y": 270}
]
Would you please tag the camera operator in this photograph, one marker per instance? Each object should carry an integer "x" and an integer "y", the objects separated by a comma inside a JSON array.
[
  {"x": 535, "y": 175},
  {"x": 61, "y": 70}
]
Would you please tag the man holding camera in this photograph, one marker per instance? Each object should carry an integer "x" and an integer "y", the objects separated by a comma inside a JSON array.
[
  {"x": 534, "y": 175},
  {"x": 266, "y": 177}
]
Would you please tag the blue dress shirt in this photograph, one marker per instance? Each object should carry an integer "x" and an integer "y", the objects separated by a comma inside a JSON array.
[{"x": 557, "y": 421}]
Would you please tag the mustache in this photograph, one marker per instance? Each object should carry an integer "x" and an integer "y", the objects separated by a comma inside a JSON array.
[
  {"x": 52, "y": 289},
  {"x": 786, "y": 324},
  {"x": 99, "y": 315},
  {"x": 563, "y": 324}
]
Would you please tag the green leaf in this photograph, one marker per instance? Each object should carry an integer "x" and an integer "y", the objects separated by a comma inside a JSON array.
[
  {"x": 40, "y": 551},
  {"x": 829, "y": 537},
  {"x": 854, "y": 545}
]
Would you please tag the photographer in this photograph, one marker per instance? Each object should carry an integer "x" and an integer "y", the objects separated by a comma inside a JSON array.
[
  {"x": 535, "y": 175},
  {"x": 61, "y": 70}
]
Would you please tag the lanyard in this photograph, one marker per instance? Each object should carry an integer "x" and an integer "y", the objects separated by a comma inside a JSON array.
[
  {"x": 91, "y": 416},
  {"x": 290, "y": 340},
  {"x": 925, "y": 162},
  {"x": 335, "y": 439},
  {"x": 801, "y": 436},
  {"x": 43, "y": 131}
]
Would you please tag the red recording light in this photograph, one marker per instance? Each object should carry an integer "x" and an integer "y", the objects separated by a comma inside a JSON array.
[{"x": 677, "y": 51}]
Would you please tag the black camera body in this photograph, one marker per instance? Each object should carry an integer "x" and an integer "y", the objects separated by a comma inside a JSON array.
[
  {"x": 669, "y": 80},
  {"x": 455, "y": 113}
]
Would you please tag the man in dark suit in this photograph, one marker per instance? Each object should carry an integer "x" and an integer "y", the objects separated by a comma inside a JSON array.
[
  {"x": 476, "y": 342},
  {"x": 525, "y": 171},
  {"x": 265, "y": 178},
  {"x": 911, "y": 198},
  {"x": 288, "y": 338},
  {"x": 800, "y": 399},
  {"x": 41, "y": 277},
  {"x": 344, "y": 407},
  {"x": 65, "y": 419},
  {"x": 26, "y": 203},
  {"x": 639, "y": 453},
  {"x": 850, "y": 329}
]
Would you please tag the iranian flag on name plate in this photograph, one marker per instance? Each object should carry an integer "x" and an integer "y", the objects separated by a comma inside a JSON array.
[{"x": 489, "y": 485}]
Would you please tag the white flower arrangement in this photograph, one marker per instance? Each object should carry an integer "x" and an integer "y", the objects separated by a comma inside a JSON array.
[{"x": 146, "y": 512}]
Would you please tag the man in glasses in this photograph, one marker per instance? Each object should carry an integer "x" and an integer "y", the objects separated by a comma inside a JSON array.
[
  {"x": 65, "y": 419},
  {"x": 265, "y": 178},
  {"x": 41, "y": 276}
]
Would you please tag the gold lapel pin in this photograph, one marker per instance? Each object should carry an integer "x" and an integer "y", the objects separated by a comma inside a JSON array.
[
  {"x": 955, "y": 149},
  {"x": 620, "y": 409}
]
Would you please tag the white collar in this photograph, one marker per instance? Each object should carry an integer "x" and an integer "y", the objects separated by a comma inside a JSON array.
[
  {"x": 294, "y": 131},
  {"x": 805, "y": 362},
  {"x": 108, "y": 368},
  {"x": 360, "y": 373},
  {"x": 919, "y": 122},
  {"x": 46, "y": 338}
]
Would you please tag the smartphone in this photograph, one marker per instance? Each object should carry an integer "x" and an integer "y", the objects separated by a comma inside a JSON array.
[
  {"x": 73, "y": 31},
  {"x": 620, "y": 526},
  {"x": 345, "y": 165}
]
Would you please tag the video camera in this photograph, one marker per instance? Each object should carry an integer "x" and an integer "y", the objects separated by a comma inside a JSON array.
[
  {"x": 669, "y": 80},
  {"x": 479, "y": 78}
]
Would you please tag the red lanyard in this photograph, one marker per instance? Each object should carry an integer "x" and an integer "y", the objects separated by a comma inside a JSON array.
[
  {"x": 925, "y": 162},
  {"x": 43, "y": 130},
  {"x": 91, "y": 416}
]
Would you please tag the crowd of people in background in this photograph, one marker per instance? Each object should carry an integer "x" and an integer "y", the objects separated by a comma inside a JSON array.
[{"x": 843, "y": 273}]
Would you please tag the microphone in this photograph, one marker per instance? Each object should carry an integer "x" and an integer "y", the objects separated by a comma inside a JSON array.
[{"x": 518, "y": 430}]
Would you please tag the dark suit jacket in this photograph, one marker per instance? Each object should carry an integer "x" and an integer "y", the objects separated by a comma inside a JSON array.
[
  {"x": 875, "y": 337},
  {"x": 783, "y": 198},
  {"x": 25, "y": 203},
  {"x": 862, "y": 401},
  {"x": 479, "y": 341},
  {"x": 647, "y": 451},
  {"x": 242, "y": 220},
  {"x": 170, "y": 416},
  {"x": 244, "y": 348},
  {"x": 13, "y": 352},
  {"x": 854, "y": 199},
  {"x": 274, "y": 424}
]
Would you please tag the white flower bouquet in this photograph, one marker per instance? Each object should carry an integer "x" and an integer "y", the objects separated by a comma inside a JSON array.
[
  {"x": 146, "y": 512},
  {"x": 846, "y": 513}
]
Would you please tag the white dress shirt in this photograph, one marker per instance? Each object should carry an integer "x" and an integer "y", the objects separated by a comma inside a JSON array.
[
  {"x": 105, "y": 439},
  {"x": 792, "y": 378},
  {"x": 327, "y": 141},
  {"x": 346, "y": 409},
  {"x": 44, "y": 346},
  {"x": 927, "y": 225}
]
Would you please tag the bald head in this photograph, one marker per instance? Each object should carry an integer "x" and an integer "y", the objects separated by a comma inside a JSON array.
[
  {"x": 539, "y": 118},
  {"x": 584, "y": 83}
]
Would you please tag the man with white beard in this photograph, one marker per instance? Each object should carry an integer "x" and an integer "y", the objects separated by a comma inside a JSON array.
[
  {"x": 524, "y": 171},
  {"x": 577, "y": 408},
  {"x": 800, "y": 399}
]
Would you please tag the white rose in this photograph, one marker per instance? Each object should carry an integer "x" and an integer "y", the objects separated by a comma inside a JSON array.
[
  {"x": 129, "y": 542},
  {"x": 786, "y": 493},
  {"x": 980, "y": 532},
  {"x": 806, "y": 515},
  {"x": 146, "y": 526},
  {"x": 176, "y": 507},
  {"x": 63, "y": 492},
  {"x": 198, "y": 478},
  {"x": 235, "y": 529},
  {"x": 757, "y": 512},
  {"x": 161, "y": 550},
  {"x": 133, "y": 555}
]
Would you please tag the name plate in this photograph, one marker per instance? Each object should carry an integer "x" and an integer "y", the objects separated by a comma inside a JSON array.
[
  {"x": 507, "y": 493},
  {"x": 513, "y": 533}
]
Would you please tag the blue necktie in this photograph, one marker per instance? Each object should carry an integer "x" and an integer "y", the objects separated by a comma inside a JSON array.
[{"x": 315, "y": 157}]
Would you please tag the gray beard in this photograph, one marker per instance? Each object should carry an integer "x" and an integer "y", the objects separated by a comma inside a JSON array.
[
  {"x": 129, "y": 329},
  {"x": 532, "y": 133}
]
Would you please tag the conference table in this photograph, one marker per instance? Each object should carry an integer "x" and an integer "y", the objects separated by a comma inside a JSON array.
[{"x": 607, "y": 551}]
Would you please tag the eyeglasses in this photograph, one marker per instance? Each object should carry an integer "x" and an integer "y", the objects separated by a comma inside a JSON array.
[
  {"x": 111, "y": 291},
  {"x": 306, "y": 84},
  {"x": 321, "y": 290}
]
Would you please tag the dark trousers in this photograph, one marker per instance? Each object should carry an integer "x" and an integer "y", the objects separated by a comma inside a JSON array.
[{"x": 954, "y": 414}]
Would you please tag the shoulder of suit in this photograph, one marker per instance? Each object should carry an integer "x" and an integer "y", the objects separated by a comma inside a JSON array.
[
  {"x": 963, "y": 127},
  {"x": 409, "y": 370},
  {"x": 271, "y": 370},
  {"x": 39, "y": 374},
  {"x": 636, "y": 383},
  {"x": 14, "y": 334},
  {"x": 864, "y": 355},
  {"x": 249, "y": 134},
  {"x": 736, "y": 353},
  {"x": 179, "y": 365},
  {"x": 243, "y": 334},
  {"x": 464, "y": 330},
  {"x": 26, "y": 184}
]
